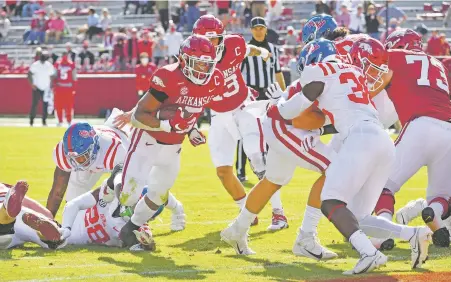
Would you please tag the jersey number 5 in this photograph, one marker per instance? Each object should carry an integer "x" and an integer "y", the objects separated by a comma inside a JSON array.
[
  {"x": 95, "y": 229},
  {"x": 426, "y": 75},
  {"x": 359, "y": 93}
]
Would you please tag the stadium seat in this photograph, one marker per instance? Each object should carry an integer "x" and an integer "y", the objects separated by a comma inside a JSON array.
[
  {"x": 427, "y": 7},
  {"x": 445, "y": 7}
]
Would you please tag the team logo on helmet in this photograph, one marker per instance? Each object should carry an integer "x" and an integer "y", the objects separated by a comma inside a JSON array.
[
  {"x": 86, "y": 133},
  {"x": 183, "y": 90},
  {"x": 366, "y": 47},
  {"x": 158, "y": 81},
  {"x": 319, "y": 24},
  {"x": 390, "y": 44}
]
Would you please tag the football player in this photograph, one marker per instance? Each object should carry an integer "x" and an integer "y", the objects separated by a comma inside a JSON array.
[
  {"x": 421, "y": 98},
  {"x": 230, "y": 122},
  {"x": 187, "y": 86},
  {"x": 65, "y": 81},
  {"x": 83, "y": 156},
  {"x": 355, "y": 174}
]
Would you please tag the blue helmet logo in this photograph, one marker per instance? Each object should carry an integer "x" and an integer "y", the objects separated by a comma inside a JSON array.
[
  {"x": 81, "y": 145},
  {"x": 318, "y": 26},
  {"x": 315, "y": 52}
]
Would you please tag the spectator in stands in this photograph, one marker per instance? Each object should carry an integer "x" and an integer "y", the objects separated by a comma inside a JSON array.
[
  {"x": 357, "y": 23},
  {"x": 393, "y": 25},
  {"x": 291, "y": 38},
  {"x": 94, "y": 26},
  {"x": 69, "y": 51},
  {"x": 10, "y": 7},
  {"x": 145, "y": 45},
  {"x": 30, "y": 8},
  {"x": 192, "y": 14},
  {"x": 5, "y": 25},
  {"x": 55, "y": 27},
  {"x": 258, "y": 8},
  {"x": 372, "y": 22},
  {"x": 135, "y": 3},
  {"x": 159, "y": 49},
  {"x": 223, "y": 10},
  {"x": 445, "y": 45},
  {"x": 40, "y": 76},
  {"x": 86, "y": 54},
  {"x": 104, "y": 64},
  {"x": 36, "y": 34},
  {"x": 434, "y": 47},
  {"x": 247, "y": 13},
  {"x": 132, "y": 47},
  {"x": 173, "y": 41},
  {"x": 108, "y": 40},
  {"x": 120, "y": 55},
  {"x": 52, "y": 56},
  {"x": 322, "y": 8},
  {"x": 105, "y": 19},
  {"x": 391, "y": 12},
  {"x": 344, "y": 18},
  {"x": 163, "y": 10},
  {"x": 143, "y": 73}
]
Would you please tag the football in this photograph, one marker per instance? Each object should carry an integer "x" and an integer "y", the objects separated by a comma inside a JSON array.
[
  {"x": 312, "y": 118},
  {"x": 168, "y": 112}
]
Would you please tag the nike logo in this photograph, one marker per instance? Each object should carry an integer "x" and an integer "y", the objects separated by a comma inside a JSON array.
[
  {"x": 180, "y": 83},
  {"x": 116, "y": 229},
  {"x": 319, "y": 257},
  {"x": 231, "y": 62},
  {"x": 149, "y": 144},
  {"x": 211, "y": 90},
  {"x": 238, "y": 248}
]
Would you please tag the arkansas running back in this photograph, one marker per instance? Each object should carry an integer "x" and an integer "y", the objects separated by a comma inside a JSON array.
[{"x": 230, "y": 120}]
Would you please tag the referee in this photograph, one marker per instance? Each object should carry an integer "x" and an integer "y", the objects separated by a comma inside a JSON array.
[{"x": 259, "y": 75}]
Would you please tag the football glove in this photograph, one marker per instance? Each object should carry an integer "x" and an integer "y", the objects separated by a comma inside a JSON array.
[
  {"x": 273, "y": 112},
  {"x": 144, "y": 237},
  {"x": 196, "y": 137},
  {"x": 274, "y": 92},
  {"x": 309, "y": 140},
  {"x": 180, "y": 124},
  {"x": 65, "y": 233}
]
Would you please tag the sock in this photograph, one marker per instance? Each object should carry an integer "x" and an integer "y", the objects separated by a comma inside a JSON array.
[
  {"x": 241, "y": 202},
  {"x": 173, "y": 203},
  {"x": 407, "y": 232},
  {"x": 142, "y": 213},
  {"x": 380, "y": 227},
  {"x": 245, "y": 219},
  {"x": 362, "y": 244},
  {"x": 276, "y": 201},
  {"x": 311, "y": 220},
  {"x": 388, "y": 216}
]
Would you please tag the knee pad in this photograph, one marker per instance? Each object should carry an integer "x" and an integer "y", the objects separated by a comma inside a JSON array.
[
  {"x": 445, "y": 204},
  {"x": 386, "y": 203},
  {"x": 328, "y": 207}
]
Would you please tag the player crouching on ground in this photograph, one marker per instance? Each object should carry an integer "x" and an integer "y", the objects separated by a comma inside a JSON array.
[{"x": 24, "y": 220}]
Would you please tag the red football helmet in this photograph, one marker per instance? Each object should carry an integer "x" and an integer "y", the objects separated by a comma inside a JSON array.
[
  {"x": 213, "y": 29},
  {"x": 404, "y": 39},
  {"x": 197, "y": 59},
  {"x": 370, "y": 55},
  {"x": 344, "y": 45}
]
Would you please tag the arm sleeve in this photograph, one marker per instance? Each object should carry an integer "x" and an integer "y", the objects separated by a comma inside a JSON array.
[
  {"x": 160, "y": 96},
  {"x": 293, "y": 107},
  {"x": 277, "y": 61},
  {"x": 72, "y": 208}
]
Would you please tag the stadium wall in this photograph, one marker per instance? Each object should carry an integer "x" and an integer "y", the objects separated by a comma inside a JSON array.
[{"x": 95, "y": 93}]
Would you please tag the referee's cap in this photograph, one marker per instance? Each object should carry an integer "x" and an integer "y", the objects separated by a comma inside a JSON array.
[{"x": 258, "y": 21}]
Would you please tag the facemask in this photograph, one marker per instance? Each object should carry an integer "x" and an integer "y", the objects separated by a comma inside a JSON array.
[{"x": 144, "y": 61}]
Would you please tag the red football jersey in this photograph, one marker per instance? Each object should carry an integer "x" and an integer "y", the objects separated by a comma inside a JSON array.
[
  {"x": 191, "y": 97},
  {"x": 419, "y": 86},
  {"x": 64, "y": 71},
  {"x": 235, "y": 90},
  {"x": 143, "y": 75}
]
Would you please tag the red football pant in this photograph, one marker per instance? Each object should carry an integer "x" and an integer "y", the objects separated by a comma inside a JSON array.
[{"x": 64, "y": 100}]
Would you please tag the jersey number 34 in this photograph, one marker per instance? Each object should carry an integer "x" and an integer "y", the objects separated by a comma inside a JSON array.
[{"x": 359, "y": 93}]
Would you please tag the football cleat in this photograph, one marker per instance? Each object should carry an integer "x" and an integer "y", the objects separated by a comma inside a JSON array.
[
  {"x": 368, "y": 263},
  {"x": 441, "y": 238},
  {"x": 383, "y": 244},
  {"x": 178, "y": 221},
  {"x": 410, "y": 211},
  {"x": 14, "y": 198},
  {"x": 145, "y": 239},
  {"x": 48, "y": 230},
  {"x": 308, "y": 245},
  {"x": 242, "y": 178},
  {"x": 237, "y": 241},
  {"x": 279, "y": 221},
  {"x": 419, "y": 244}
]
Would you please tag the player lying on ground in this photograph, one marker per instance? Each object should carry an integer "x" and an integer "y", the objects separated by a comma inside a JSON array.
[
  {"x": 421, "y": 98},
  {"x": 24, "y": 220},
  {"x": 177, "y": 97},
  {"x": 84, "y": 155},
  {"x": 359, "y": 171},
  {"x": 230, "y": 121}
]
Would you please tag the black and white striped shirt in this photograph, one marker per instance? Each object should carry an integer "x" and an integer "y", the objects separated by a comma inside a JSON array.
[{"x": 259, "y": 74}]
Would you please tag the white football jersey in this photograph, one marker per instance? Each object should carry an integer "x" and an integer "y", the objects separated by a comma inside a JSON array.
[
  {"x": 97, "y": 225},
  {"x": 112, "y": 151},
  {"x": 345, "y": 98}
]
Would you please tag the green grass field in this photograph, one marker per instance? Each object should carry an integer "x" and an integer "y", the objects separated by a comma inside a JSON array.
[{"x": 196, "y": 252}]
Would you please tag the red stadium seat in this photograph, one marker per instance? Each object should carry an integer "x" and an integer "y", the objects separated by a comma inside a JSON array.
[
  {"x": 445, "y": 7},
  {"x": 427, "y": 7}
]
